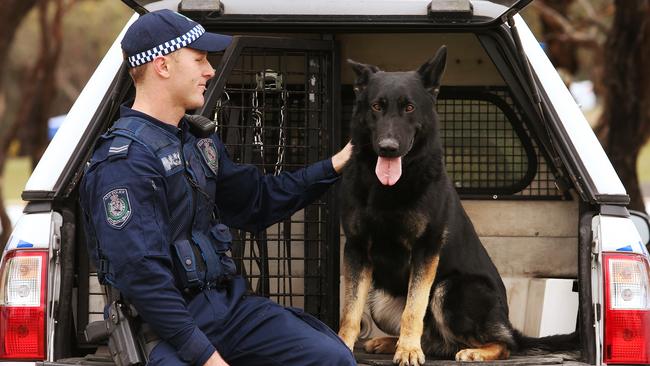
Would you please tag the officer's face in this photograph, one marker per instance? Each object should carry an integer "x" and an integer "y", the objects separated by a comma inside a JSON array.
[{"x": 190, "y": 76}]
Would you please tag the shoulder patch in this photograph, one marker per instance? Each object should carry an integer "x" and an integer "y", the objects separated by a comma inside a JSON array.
[
  {"x": 171, "y": 161},
  {"x": 117, "y": 207},
  {"x": 209, "y": 152}
]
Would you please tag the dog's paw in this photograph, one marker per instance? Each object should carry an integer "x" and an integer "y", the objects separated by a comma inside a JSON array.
[
  {"x": 470, "y": 354},
  {"x": 408, "y": 355},
  {"x": 381, "y": 345}
]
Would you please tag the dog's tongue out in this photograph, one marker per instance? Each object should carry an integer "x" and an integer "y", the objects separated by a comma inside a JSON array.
[{"x": 388, "y": 170}]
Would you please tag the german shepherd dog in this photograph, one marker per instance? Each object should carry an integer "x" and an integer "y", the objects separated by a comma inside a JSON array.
[{"x": 411, "y": 251}]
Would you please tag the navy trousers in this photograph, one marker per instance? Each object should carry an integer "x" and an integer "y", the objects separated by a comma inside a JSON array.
[{"x": 253, "y": 330}]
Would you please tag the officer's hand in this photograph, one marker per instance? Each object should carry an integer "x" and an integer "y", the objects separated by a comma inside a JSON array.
[
  {"x": 215, "y": 360},
  {"x": 342, "y": 157}
]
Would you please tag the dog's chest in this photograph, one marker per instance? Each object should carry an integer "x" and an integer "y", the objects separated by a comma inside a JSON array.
[{"x": 398, "y": 226}]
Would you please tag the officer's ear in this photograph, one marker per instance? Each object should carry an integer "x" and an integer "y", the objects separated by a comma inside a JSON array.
[{"x": 160, "y": 66}]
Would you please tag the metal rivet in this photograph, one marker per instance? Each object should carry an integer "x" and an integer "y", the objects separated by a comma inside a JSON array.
[{"x": 188, "y": 262}]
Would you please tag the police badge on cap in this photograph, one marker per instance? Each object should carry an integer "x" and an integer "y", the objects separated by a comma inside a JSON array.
[{"x": 117, "y": 207}]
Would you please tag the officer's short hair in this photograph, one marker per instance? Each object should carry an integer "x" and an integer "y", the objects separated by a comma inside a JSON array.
[{"x": 136, "y": 73}]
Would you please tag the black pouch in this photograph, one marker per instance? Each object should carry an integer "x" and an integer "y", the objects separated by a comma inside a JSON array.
[
  {"x": 222, "y": 244},
  {"x": 223, "y": 238},
  {"x": 187, "y": 267}
]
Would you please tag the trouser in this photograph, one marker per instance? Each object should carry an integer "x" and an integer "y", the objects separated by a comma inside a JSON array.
[{"x": 253, "y": 330}]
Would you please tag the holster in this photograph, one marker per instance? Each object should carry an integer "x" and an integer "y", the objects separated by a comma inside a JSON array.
[{"x": 121, "y": 337}]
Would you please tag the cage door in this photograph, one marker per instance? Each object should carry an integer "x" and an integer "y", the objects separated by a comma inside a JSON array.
[{"x": 272, "y": 101}]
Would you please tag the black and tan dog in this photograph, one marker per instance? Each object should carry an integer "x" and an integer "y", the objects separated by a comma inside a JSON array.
[{"x": 412, "y": 252}]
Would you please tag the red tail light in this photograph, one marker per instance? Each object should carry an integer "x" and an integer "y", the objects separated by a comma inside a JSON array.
[
  {"x": 23, "y": 296},
  {"x": 627, "y": 309}
]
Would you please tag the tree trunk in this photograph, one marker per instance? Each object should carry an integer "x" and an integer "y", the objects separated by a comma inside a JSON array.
[
  {"x": 9, "y": 22},
  {"x": 40, "y": 86},
  {"x": 561, "y": 50},
  {"x": 626, "y": 79}
]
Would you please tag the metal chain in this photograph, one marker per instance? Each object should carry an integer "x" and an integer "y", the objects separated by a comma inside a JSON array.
[
  {"x": 256, "y": 116},
  {"x": 281, "y": 137},
  {"x": 219, "y": 109}
]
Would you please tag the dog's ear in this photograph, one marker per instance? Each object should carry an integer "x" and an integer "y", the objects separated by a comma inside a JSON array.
[
  {"x": 363, "y": 72},
  {"x": 431, "y": 72}
]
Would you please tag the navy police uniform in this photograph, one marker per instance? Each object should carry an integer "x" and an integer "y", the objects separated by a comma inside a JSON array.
[{"x": 158, "y": 202}]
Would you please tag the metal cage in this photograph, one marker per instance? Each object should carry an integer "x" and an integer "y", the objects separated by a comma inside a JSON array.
[{"x": 275, "y": 112}]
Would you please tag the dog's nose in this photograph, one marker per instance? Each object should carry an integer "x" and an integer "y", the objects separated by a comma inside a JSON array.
[{"x": 388, "y": 145}]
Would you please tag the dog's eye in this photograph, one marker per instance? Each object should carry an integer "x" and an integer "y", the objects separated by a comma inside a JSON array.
[
  {"x": 376, "y": 107},
  {"x": 409, "y": 108}
]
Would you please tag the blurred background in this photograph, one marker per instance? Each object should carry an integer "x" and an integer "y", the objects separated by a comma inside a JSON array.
[{"x": 49, "y": 49}]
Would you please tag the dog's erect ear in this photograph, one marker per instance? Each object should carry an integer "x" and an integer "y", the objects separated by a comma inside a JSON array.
[
  {"x": 431, "y": 72},
  {"x": 363, "y": 72}
]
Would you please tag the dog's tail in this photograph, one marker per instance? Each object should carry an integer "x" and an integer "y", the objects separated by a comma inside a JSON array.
[{"x": 549, "y": 344}]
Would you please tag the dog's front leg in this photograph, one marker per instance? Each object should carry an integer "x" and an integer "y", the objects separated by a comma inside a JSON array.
[
  {"x": 357, "y": 275},
  {"x": 409, "y": 348}
]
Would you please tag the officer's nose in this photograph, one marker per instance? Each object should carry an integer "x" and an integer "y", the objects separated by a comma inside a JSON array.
[{"x": 209, "y": 71}]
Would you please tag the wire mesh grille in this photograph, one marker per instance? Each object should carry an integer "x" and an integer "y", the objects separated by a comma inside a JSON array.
[
  {"x": 275, "y": 114},
  {"x": 488, "y": 150}
]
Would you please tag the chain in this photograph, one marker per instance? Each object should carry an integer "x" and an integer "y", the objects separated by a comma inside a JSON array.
[
  {"x": 219, "y": 109},
  {"x": 256, "y": 116},
  {"x": 281, "y": 137}
]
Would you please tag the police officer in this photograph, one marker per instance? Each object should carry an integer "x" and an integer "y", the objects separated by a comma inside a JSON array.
[{"x": 157, "y": 197}]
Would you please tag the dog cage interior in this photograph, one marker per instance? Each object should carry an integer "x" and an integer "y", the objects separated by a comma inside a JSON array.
[{"x": 275, "y": 113}]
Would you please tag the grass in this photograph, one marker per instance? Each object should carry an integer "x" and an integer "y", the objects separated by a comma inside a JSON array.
[{"x": 17, "y": 171}]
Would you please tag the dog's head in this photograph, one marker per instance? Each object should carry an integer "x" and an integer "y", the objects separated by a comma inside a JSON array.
[{"x": 395, "y": 108}]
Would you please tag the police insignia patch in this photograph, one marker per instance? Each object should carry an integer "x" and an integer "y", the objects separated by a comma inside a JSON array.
[
  {"x": 209, "y": 153},
  {"x": 117, "y": 207},
  {"x": 171, "y": 161}
]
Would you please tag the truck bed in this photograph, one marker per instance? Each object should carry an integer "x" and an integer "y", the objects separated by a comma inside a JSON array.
[
  {"x": 102, "y": 358},
  {"x": 365, "y": 359}
]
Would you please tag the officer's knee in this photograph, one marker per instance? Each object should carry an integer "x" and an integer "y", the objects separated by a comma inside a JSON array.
[{"x": 334, "y": 353}]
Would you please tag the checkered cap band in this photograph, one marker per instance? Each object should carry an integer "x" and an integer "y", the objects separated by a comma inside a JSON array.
[{"x": 167, "y": 47}]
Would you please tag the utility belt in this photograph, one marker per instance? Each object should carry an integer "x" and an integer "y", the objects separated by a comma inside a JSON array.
[{"x": 202, "y": 262}]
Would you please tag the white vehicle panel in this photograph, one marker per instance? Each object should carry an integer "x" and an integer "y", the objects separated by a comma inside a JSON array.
[
  {"x": 65, "y": 141},
  {"x": 326, "y": 7},
  {"x": 32, "y": 231},
  {"x": 582, "y": 137},
  {"x": 618, "y": 234}
]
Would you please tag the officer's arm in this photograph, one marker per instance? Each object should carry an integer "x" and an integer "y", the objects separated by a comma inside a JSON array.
[
  {"x": 127, "y": 204},
  {"x": 249, "y": 200}
]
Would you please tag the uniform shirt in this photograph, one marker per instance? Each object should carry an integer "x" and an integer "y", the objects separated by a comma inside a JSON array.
[{"x": 136, "y": 238}]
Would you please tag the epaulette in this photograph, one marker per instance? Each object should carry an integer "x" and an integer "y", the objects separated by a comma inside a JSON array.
[{"x": 119, "y": 147}]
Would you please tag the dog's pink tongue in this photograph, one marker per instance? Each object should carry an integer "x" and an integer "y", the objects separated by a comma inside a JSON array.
[{"x": 388, "y": 170}]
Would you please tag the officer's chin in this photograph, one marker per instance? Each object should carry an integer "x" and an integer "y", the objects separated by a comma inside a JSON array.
[{"x": 195, "y": 103}]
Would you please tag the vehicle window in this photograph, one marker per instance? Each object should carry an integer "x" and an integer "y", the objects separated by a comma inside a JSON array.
[{"x": 488, "y": 150}]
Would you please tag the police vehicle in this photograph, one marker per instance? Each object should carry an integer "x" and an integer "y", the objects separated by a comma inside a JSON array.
[{"x": 543, "y": 196}]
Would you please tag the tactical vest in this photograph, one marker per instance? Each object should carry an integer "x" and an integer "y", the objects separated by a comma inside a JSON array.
[{"x": 199, "y": 243}]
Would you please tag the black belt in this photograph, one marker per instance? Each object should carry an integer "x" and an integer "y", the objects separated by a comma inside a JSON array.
[{"x": 221, "y": 283}]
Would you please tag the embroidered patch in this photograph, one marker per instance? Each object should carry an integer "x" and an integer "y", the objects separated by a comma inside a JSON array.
[
  {"x": 118, "y": 207},
  {"x": 209, "y": 152},
  {"x": 171, "y": 161}
]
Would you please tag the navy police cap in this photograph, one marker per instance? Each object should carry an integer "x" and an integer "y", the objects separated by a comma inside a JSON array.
[{"x": 164, "y": 31}]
